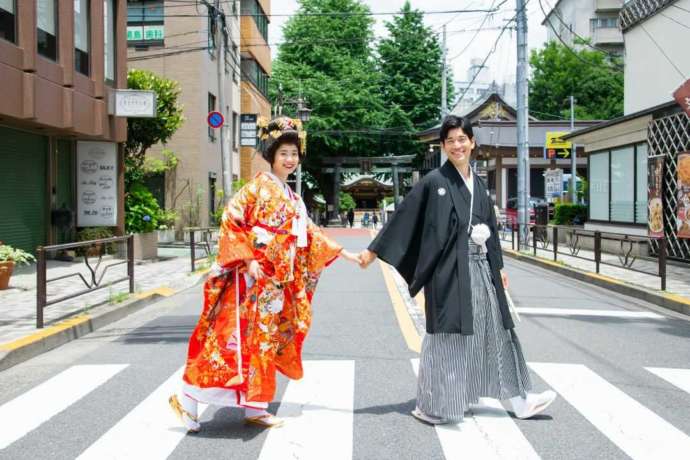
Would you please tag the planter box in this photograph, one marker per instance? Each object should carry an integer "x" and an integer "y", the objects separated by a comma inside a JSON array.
[
  {"x": 166, "y": 236},
  {"x": 145, "y": 245}
]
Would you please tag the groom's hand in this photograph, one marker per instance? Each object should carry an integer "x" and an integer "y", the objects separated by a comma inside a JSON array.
[{"x": 366, "y": 257}]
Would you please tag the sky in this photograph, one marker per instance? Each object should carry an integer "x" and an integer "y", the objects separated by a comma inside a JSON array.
[{"x": 501, "y": 64}]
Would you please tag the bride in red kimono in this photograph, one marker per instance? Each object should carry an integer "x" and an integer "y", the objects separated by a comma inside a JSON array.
[{"x": 257, "y": 299}]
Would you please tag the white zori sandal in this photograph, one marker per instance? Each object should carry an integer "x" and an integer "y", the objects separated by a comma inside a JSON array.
[
  {"x": 431, "y": 420},
  {"x": 188, "y": 420},
  {"x": 533, "y": 404}
]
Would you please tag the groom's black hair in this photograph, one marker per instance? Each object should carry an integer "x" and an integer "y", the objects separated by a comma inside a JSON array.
[{"x": 454, "y": 122}]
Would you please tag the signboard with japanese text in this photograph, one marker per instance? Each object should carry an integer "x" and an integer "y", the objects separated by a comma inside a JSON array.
[
  {"x": 555, "y": 146},
  {"x": 553, "y": 184},
  {"x": 683, "y": 211},
  {"x": 132, "y": 103},
  {"x": 655, "y": 182},
  {"x": 248, "y": 129},
  {"x": 96, "y": 184}
]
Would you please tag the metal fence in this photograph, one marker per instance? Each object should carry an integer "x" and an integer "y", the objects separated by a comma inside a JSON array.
[
  {"x": 547, "y": 238},
  {"x": 205, "y": 244},
  {"x": 95, "y": 249}
]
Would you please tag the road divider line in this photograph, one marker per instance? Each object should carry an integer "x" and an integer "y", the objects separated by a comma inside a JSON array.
[
  {"x": 318, "y": 413},
  {"x": 585, "y": 312},
  {"x": 407, "y": 327},
  {"x": 35, "y": 407},
  {"x": 676, "y": 377},
  {"x": 151, "y": 429},
  {"x": 635, "y": 429}
]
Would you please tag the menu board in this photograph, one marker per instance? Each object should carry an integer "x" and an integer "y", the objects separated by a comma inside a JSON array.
[
  {"x": 655, "y": 180},
  {"x": 683, "y": 211},
  {"x": 96, "y": 184}
]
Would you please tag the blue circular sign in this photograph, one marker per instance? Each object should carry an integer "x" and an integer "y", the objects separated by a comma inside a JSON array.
[{"x": 215, "y": 119}]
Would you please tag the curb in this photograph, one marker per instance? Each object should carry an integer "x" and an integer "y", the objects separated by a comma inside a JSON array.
[
  {"x": 54, "y": 336},
  {"x": 672, "y": 302}
]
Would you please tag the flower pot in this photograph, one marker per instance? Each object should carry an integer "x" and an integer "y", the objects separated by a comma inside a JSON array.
[
  {"x": 166, "y": 236},
  {"x": 6, "y": 269},
  {"x": 146, "y": 245}
]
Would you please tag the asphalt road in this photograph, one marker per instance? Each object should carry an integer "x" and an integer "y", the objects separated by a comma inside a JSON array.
[{"x": 621, "y": 368}]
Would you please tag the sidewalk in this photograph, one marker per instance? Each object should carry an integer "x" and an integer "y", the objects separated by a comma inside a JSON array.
[
  {"x": 676, "y": 296},
  {"x": 168, "y": 274}
]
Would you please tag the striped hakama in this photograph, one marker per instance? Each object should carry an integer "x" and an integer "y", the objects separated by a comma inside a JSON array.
[{"x": 456, "y": 370}]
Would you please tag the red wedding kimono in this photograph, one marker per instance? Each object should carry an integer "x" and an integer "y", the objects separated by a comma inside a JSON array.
[{"x": 250, "y": 329}]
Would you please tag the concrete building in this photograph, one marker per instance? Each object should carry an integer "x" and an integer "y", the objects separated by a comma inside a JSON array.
[
  {"x": 59, "y": 61},
  {"x": 176, "y": 40},
  {"x": 256, "y": 70},
  {"x": 653, "y": 126},
  {"x": 596, "y": 20},
  {"x": 477, "y": 86}
]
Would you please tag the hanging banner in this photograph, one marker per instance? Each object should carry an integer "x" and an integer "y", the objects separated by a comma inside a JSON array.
[
  {"x": 655, "y": 181},
  {"x": 683, "y": 214}
]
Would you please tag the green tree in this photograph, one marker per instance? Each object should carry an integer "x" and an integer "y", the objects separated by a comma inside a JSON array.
[
  {"x": 142, "y": 133},
  {"x": 593, "y": 77},
  {"x": 328, "y": 60},
  {"x": 411, "y": 63}
]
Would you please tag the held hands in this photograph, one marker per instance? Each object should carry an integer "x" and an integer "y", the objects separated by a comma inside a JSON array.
[
  {"x": 366, "y": 257},
  {"x": 347, "y": 255}
]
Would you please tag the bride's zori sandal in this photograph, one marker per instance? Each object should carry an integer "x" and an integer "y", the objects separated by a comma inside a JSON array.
[
  {"x": 188, "y": 420},
  {"x": 265, "y": 420}
]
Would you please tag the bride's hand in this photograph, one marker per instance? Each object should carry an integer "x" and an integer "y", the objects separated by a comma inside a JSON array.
[
  {"x": 366, "y": 257},
  {"x": 350, "y": 256},
  {"x": 254, "y": 269}
]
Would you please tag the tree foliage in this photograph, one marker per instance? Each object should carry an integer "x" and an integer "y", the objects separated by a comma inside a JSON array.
[
  {"x": 142, "y": 133},
  {"x": 593, "y": 77}
]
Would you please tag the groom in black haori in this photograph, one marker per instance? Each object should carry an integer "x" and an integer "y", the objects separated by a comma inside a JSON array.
[{"x": 443, "y": 238}]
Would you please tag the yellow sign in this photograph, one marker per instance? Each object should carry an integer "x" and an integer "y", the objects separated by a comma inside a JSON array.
[{"x": 556, "y": 146}]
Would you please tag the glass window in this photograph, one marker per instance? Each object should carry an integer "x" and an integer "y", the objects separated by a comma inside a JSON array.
[
  {"x": 252, "y": 7},
  {"x": 46, "y": 28},
  {"x": 109, "y": 39},
  {"x": 82, "y": 29},
  {"x": 641, "y": 184},
  {"x": 8, "y": 26},
  {"x": 211, "y": 108},
  {"x": 599, "y": 186},
  {"x": 623, "y": 185},
  {"x": 145, "y": 22}
]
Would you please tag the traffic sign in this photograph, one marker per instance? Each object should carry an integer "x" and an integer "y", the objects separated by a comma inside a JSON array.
[
  {"x": 215, "y": 119},
  {"x": 555, "y": 146}
]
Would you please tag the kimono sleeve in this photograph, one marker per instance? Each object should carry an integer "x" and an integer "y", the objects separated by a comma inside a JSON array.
[
  {"x": 493, "y": 239},
  {"x": 400, "y": 241},
  {"x": 234, "y": 244},
  {"x": 322, "y": 250}
]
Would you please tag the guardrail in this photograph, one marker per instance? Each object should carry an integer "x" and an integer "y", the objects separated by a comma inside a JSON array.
[
  {"x": 206, "y": 243},
  {"x": 94, "y": 248},
  {"x": 547, "y": 238}
]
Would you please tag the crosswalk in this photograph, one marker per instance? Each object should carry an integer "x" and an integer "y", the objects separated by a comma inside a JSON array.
[{"x": 320, "y": 416}]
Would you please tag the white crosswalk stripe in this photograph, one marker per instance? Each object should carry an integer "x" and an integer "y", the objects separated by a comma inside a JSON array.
[
  {"x": 318, "y": 412},
  {"x": 635, "y": 429},
  {"x": 151, "y": 426},
  {"x": 488, "y": 432},
  {"x": 678, "y": 377},
  {"x": 38, "y": 405}
]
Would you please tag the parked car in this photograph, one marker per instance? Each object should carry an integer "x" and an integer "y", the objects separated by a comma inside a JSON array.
[{"x": 534, "y": 201}]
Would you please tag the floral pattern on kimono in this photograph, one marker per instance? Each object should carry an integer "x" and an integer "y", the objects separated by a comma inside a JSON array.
[{"x": 249, "y": 329}]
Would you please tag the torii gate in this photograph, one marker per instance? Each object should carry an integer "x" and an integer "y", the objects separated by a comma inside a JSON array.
[{"x": 365, "y": 165}]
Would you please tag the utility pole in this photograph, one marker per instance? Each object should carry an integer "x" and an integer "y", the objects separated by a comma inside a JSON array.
[
  {"x": 573, "y": 155},
  {"x": 218, "y": 19},
  {"x": 522, "y": 122}
]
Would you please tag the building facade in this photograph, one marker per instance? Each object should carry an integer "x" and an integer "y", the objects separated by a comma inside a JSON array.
[
  {"x": 59, "y": 62},
  {"x": 256, "y": 70},
  {"x": 595, "y": 20},
  {"x": 178, "y": 41}
]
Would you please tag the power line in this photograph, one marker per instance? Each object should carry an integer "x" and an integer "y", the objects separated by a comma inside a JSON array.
[
  {"x": 486, "y": 17},
  {"x": 663, "y": 52}
]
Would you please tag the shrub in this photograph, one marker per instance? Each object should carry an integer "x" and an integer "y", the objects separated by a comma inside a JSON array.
[
  {"x": 95, "y": 233},
  {"x": 142, "y": 211},
  {"x": 570, "y": 214}
]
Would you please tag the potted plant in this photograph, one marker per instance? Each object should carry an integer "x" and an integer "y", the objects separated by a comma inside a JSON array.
[
  {"x": 9, "y": 257},
  {"x": 166, "y": 227},
  {"x": 142, "y": 213}
]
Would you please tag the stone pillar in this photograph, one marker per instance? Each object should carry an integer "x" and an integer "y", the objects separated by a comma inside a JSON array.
[
  {"x": 498, "y": 174},
  {"x": 334, "y": 220},
  {"x": 396, "y": 186}
]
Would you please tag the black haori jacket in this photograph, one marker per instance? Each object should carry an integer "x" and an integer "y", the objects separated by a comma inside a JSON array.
[{"x": 426, "y": 240}]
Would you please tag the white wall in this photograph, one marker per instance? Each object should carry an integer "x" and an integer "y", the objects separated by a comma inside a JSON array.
[{"x": 649, "y": 77}]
